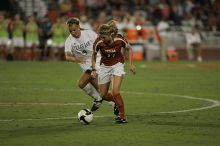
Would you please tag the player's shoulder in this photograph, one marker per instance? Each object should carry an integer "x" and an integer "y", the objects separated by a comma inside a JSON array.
[
  {"x": 120, "y": 37},
  {"x": 98, "y": 41},
  {"x": 69, "y": 38},
  {"x": 87, "y": 31}
]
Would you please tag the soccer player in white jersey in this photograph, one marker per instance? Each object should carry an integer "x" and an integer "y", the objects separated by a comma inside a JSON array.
[{"x": 79, "y": 48}]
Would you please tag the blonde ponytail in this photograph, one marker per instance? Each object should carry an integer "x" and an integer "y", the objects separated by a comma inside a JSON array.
[{"x": 112, "y": 24}]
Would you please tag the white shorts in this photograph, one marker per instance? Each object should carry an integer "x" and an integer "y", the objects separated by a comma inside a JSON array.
[
  {"x": 4, "y": 41},
  {"x": 30, "y": 43},
  {"x": 106, "y": 72},
  {"x": 18, "y": 42},
  {"x": 86, "y": 67},
  {"x": 57, "y": 45}
]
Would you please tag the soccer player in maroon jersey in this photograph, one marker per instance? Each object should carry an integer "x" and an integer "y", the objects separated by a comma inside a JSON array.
[{"x": 112, "y": 62}]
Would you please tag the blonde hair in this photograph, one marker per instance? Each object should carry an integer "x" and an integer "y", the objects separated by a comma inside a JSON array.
[
  {"x": 112, "y": 24},
  {"x": 104, "y": 29},
  {"x": 109, "y": 28}
]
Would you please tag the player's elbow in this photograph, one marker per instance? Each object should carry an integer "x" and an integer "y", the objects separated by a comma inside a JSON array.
[{"x": 67, "y": 57}]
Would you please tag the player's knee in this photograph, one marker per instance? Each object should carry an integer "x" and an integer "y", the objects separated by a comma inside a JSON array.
[
  {"x": 103, "y": 95},
  {"x": 80, "y": 85},
  {"x": 115, "y": 92}
]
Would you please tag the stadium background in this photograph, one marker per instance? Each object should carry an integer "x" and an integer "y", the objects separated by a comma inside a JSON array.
[{"x": 138, "y": 20}]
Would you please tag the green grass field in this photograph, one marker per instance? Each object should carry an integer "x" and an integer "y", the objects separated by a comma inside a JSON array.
[{"x": 167, "y": 104}]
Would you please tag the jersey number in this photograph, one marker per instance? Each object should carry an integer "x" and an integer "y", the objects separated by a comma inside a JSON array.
[
  {"x": 84, "y": 52},
  {"x": 111, "y": 55}
]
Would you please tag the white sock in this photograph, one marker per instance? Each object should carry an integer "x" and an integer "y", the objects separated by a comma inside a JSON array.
[
  {"x": 111, "y": 103},
  {"x": 91, "y": 91}
]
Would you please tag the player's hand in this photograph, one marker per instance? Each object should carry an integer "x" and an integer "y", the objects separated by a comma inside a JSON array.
[
  {"x": 94, "y": 74},
  {"x": 132, "y": 69}
]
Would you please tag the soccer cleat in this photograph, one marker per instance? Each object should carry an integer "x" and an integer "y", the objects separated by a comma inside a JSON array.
[
  {"x": 96, "y": 105},
  {"x": 116, "y": 111},
  {"x": 119, "y": 120}
]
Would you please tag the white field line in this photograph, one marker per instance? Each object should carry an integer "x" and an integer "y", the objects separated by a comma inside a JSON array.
[
  {"x": 40, "y": 103},
  {"x": 214, "y": 103},
  {"x": 39, "y": 89}
]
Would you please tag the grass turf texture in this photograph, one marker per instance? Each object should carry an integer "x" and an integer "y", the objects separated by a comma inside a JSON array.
[{"x": 54, "y": 123}]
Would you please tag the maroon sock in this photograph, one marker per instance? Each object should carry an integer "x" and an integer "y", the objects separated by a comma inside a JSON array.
[
  {"x": 120, "y": 103},
  {"x": 109, "y": 97}
]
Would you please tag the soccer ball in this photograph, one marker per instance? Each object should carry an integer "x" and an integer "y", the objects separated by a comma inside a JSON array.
[{"x": 85, "y": 116}]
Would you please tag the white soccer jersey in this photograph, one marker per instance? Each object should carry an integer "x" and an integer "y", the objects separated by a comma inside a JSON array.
[{"x": 82, "y": 46}]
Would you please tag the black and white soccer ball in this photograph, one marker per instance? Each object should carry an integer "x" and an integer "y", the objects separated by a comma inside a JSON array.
[{"x": 85, "y": 116}]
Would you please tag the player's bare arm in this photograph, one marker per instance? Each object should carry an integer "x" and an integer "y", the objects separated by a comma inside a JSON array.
[
  {"x": 71, "y": 57},
  {"x": 130, "y": 65},
  {"x": 94, "y": 74}
]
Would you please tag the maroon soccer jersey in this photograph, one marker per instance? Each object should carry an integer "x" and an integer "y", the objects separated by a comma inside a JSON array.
[{"x": 111, "y": 53}]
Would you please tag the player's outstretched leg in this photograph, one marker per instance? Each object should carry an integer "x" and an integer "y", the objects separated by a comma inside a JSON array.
[
  {"x": 109, "y": 97},
  {"x": 92, "y": 92},
  {"x": 96, "y": 105},
  {"x": 121, "y": 119}
]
